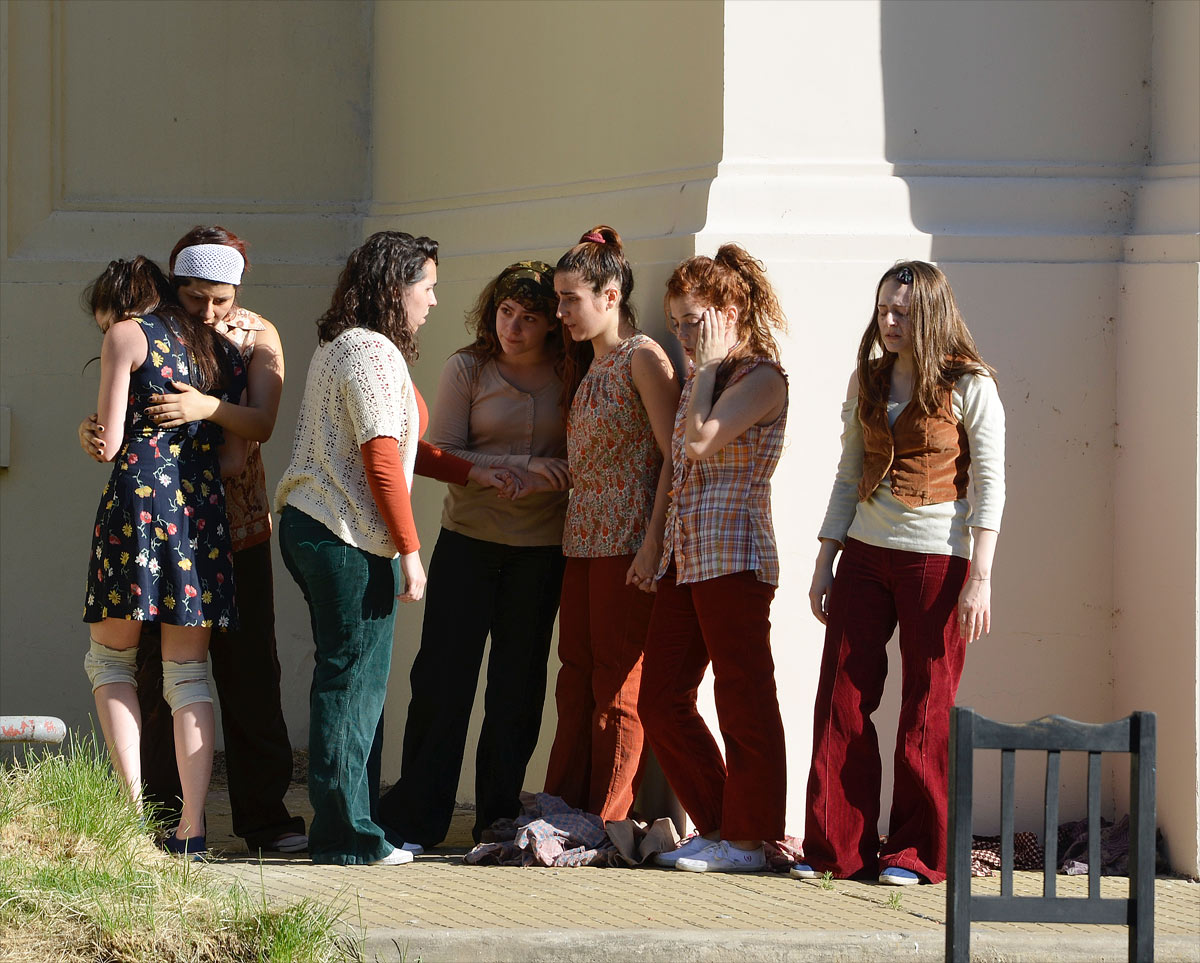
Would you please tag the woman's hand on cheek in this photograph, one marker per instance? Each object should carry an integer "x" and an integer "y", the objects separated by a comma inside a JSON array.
[{"x": 714, "y": 339}]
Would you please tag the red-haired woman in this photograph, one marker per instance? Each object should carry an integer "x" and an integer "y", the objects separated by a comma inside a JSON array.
[
  {"x": 719, "y": 568},
  {"x": 923, "y": 422},
  {"x": 618, "y": 447},
  {"x": 207, "y": 265}
]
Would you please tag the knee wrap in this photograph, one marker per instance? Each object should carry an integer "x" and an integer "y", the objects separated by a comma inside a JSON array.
[
  {"x": 185, "y": 683},
  {"x": 105, "y": 666}
]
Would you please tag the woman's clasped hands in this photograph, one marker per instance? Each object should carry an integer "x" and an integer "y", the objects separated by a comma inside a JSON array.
[{"x": 544, "y": 474}]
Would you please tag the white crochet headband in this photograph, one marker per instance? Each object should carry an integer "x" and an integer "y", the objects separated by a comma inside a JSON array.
[{"x": 219, "y": 263}]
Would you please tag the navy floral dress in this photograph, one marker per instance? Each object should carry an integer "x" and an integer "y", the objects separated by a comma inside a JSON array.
[{"x": 161, "y": 547}]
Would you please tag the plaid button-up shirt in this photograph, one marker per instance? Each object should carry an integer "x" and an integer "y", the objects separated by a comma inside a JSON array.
[{"x": 719, "y": 518}]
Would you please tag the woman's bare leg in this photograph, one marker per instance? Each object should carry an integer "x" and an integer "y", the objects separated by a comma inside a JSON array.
[
  {"x": 195, "y": 729},
  {"x": 118, "y": 710}
]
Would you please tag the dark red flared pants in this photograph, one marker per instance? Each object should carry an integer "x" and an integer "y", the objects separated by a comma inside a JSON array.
[
  {"x": 874, "y": 589},
  {"x": 597, "y": 753},
  {"x": 725, "y": 620}
]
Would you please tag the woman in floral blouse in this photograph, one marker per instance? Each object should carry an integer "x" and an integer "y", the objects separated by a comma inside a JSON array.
[{"x": 618, "y": 450}]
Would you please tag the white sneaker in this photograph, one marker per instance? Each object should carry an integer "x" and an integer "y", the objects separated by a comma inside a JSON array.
[
  {"x": 689, "y": 847},
  {"x": 720, "y": 857},
  {"x": 396, "y": 857}
]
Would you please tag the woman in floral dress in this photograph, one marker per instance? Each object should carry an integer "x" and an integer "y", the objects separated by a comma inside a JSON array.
[
  {"x": 618, "y": 450},
  {"x": 161, "y": 547}
]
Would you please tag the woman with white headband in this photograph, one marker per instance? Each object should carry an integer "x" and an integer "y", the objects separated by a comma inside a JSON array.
[{"x": 207, "y": 265}]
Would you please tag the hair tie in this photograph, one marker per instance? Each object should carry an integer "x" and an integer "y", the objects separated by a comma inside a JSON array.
[
  {"x": 218, "y": 263},
  {"x": 595, "y": 237}
]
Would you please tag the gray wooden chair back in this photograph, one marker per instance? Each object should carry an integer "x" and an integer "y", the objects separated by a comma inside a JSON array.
[{"x": 1053, "y": 735}]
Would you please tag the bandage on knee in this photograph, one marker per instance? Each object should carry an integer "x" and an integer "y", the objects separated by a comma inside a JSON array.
[
  {"x": 185, "y": 683},
  {"x": 104, "y": 666}
]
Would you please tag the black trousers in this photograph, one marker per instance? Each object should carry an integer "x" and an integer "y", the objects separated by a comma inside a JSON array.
[
  {"x": 245, "y": 666},
  {"x": 475, "y": 588}
]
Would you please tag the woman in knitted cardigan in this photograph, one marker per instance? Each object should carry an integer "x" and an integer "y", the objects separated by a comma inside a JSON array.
[{"x": 346, "y": 527}]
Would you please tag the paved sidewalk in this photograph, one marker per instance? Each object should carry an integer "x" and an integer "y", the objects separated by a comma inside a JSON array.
[{"x": 437, "y": 909}]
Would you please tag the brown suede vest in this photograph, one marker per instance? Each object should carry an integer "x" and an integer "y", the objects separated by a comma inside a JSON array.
[{"x": 926, "y": 458}]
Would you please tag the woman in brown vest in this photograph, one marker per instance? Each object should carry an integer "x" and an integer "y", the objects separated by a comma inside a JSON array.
[{"x": 923, "y": 422}]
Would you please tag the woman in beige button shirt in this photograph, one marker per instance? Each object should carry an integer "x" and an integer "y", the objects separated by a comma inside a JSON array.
[{"x": 497, "y": 566}]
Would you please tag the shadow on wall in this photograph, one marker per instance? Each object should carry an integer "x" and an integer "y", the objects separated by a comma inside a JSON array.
[{"x": 1015, "y": 128}]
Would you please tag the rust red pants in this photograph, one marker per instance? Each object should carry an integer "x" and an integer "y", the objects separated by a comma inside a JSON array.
[
  {"x": 725, "y": 620},
  {"x": 874, "y": 589},
  {"x": 597, "y": 753}
]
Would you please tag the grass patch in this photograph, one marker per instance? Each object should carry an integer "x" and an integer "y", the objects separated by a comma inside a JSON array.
[{"x": 81, "y": 879}]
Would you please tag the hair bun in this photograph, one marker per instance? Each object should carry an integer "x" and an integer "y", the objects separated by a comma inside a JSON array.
[{"x": 602, "y": 234}]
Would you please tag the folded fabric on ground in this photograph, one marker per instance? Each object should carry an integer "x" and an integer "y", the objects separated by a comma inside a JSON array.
[
  {"x": 1114, "y": 848},
  {"x": 1072, "y": 850},
  {"x": 783, "y": 854},
  {"x": 985, "y": 853},
  {"x": 548, "y": 832}
]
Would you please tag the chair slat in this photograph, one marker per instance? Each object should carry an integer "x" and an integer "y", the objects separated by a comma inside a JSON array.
[
  {"x": 1034, "y": 909},
  {"x": 1093, "y": 797},
  {"x": 1050, "y": 826},
  {"x": 1008, "y": 769}
]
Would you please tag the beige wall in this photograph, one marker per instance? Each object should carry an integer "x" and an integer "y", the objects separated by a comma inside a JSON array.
[
  {"x": 1018, "y": 151},
  {"x": 1051, "y": 169},
  {"x": 554, "y": 117},
  {"x": 125, "y": 124},
  {"x": 1155, "y": 652}
]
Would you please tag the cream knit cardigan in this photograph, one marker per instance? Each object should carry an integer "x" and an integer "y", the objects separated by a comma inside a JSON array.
[{"x": 358, "y": 388}]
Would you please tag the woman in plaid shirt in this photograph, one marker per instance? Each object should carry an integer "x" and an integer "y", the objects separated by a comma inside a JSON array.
[{"x": 719, "y": 568}]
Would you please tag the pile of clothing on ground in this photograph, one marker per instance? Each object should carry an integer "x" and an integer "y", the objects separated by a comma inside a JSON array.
[
  {"x": 548, "y": 832},
  {"x": 1072, "y": 850}
]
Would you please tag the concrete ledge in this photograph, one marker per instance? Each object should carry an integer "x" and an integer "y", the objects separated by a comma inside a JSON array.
[{"x": 744, "y": 946}]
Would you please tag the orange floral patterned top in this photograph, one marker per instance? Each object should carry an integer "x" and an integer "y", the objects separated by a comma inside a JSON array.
[
  {"x": 246, "y": 501},
  {"x": 613, "y": 457}
]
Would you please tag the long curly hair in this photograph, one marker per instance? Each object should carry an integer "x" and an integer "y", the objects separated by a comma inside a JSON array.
[
  {"x": 531, "y": 285},
  {"x": 943, "y": 349},
  {"x": 370, "y": 289},
  {"x": 732, "y": 278}
]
